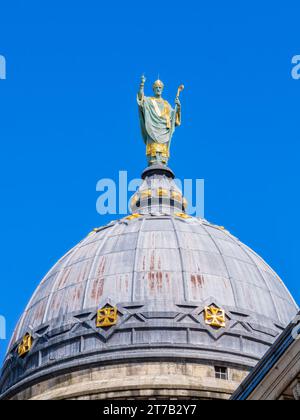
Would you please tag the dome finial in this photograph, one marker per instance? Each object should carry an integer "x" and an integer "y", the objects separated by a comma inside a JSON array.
[{"x": 158, "y": 193}]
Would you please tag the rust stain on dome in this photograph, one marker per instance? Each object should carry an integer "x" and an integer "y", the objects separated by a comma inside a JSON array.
[
  {"x": 197, "y": 280},
  {"x": 97, "y": 289},
  {"x": 155, "y": 281}
]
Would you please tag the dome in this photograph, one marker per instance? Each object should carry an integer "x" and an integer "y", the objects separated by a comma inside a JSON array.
[{"x": 162, "y": 272}]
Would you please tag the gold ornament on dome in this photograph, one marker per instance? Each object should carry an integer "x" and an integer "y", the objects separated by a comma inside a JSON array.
[
  {"x": 25, "y": 346},
  {"x": 215, "y": 317},
  {"x": 107, "y": 317}
]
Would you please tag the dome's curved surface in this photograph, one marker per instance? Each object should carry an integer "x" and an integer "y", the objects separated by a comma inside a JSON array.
[{"x": 161, "y": 272}]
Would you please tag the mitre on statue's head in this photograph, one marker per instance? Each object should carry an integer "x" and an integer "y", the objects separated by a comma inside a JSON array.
[{"x": 158, "y": 83}]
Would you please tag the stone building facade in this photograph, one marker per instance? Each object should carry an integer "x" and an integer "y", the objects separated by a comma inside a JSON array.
[{"x": 277, "y": 375}]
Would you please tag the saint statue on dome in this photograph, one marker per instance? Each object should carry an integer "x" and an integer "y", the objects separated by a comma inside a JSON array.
[{"x": 158, "y": 122}]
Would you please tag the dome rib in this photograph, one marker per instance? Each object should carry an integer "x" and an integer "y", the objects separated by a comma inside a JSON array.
[
  {"x": 225, "y": 264},
  {"x": 134, "y": 273},
  {"x": 181, "y": 259}
]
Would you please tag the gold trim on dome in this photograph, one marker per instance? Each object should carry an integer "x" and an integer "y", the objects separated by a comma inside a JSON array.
[
  {"x": 96, "y": 230},
  {"x": 162, "y": 192},
  {"x": 176, "y": 195},
  {"x": 215, "y": 317},
  {"x": 219, "y": 227},
  {"x": 183, "y": 215},
  {"x": 146, "y": 194},
  {"x": 133, "y": 216}
]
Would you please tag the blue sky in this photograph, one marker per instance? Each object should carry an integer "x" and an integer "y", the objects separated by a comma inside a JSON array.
[{"x": 68, "y": 118}]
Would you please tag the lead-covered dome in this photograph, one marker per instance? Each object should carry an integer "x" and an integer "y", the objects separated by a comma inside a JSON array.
[{"x": 162, "y": 272}]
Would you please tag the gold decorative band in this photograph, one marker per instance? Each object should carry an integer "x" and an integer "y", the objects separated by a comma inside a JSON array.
[
  {"x": 176, "y": 195},
  {"x": 154, "y": 148},
  {"x": 162, "y": 192}
]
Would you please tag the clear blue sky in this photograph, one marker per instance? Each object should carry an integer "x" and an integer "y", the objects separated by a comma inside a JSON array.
[{"x": 68, "y": 117}]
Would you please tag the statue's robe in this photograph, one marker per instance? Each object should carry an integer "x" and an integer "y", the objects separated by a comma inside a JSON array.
[{"x": 158, "y": 120}]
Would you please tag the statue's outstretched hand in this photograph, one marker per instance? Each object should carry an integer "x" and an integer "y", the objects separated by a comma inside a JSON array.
[{"x": 143, "y": 80}]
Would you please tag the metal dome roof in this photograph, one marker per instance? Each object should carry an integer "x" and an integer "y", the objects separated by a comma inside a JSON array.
[
  {"x": 156, "y": 258},
  {"x": 161, "y": 271}
]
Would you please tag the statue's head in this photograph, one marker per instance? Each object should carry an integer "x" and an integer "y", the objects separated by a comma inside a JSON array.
[{"x": 158, "y": 88}]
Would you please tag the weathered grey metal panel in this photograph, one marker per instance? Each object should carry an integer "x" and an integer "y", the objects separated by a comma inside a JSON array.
[
  {"x": 255, "y": 299},
  {"x": 162, "y": 285},
  {"x": 157, "y": 224},
  {"x": 158, "y": 240},
  {"x": 243, "y": 271},
  {"x": 202, "y": 262},
  {"x": 84, "y": 252},
  {"x": 164, "y": 335},
  {"x": 275, "y": 285},
  {"x": 219, "y": 233},
  {"x": 231, "y": 249},
  {"x": 113, "y": 264},
  {"x": 229, "y": 342},
  {"x": 200, "y": 337},
  {"x": 284, "y": 308},
  {"x": 33, "y": 317},
  {"x": 192, "y": 226},
  {"x": 202, "y": 286},
  {"x": 158, "y": 260},
  {"x": 197, "y": 242},
  {"x": 44, "y": 289},
  {"x": 251, "y": 346},
  {"x": 116, "y": 287},
  {"x": 66, "y": 300}
]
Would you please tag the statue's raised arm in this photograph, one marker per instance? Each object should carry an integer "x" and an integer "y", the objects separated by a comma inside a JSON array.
[
  {"x": 142, "y": 87},
  {"x": 158, "y": 122}
]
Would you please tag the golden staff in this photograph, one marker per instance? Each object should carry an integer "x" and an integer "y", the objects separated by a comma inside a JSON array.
[{"x": 180, "y": 89}]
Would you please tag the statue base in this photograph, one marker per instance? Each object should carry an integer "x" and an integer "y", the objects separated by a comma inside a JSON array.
[{"x": 158, "y": 170}]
